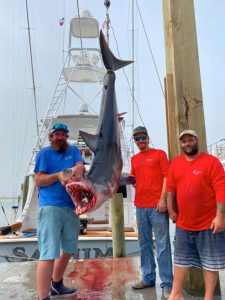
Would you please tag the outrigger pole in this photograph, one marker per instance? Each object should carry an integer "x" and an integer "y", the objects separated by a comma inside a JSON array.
[{"x": 32, "y": 70}]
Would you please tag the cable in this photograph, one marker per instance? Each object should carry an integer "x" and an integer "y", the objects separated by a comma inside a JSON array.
[
  {"x": 153, "y": 59},
  {"x": 138, "y": 110},
  {"x": 4, "y": 213}
]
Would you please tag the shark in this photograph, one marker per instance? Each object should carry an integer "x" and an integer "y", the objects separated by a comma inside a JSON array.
[{"x": 104, "y": 176}]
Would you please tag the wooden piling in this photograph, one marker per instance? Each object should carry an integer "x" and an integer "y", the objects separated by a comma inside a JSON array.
[
  {"x": 182, "y": 62},
  {"x": 194, "y": 284},
  {"x": 118, "y": 236},
  {"x": 184, "y": 103}
]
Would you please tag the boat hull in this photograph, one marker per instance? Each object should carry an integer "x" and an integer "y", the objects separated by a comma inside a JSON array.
[{"x": 26, "y": 249}]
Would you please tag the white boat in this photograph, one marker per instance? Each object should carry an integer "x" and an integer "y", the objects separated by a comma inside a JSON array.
[
  {"x": 83, "y": 65},
  {"x": 218, "y": 149}
]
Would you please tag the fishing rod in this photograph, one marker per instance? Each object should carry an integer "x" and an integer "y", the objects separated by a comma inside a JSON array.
[{"x": 4, "y": 213}]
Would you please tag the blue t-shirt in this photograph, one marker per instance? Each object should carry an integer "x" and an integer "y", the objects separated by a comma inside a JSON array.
[{"x": 50, "y": 162}]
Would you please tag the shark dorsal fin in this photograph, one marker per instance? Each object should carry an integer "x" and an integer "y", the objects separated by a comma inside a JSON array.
[{"x": 91, "y": 140}]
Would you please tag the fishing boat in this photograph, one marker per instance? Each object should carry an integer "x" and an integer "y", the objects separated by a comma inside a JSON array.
[
  {"x": 157, "y": 128},
  {"x": 83, "y": 67},
  {"x": 218, "y": 149}
]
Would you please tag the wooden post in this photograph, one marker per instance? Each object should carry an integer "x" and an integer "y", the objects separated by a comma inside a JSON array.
[
  {"x": 172, "y": 133},
  {"x": 118, "y": 237},
  {"x": 182, "y": 63},
  {"x": 194, "y": 283},
  {"x": 184, "y": 103}
]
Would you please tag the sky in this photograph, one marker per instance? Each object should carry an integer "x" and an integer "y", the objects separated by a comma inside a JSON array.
[{"x": 18, "y": 127}]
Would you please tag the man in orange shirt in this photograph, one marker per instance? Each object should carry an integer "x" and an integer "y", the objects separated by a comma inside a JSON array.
[
  {"x": 150, "y": 167},
  {"x": 198, "y": 181}
]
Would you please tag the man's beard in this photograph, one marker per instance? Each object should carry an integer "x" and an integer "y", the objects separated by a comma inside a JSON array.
[
  {"x": 60, "y": 145},
  {"x": 192, "y": 152}
]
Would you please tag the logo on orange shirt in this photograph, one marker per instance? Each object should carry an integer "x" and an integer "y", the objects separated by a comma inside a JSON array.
[{"x": 196, "y": 172}]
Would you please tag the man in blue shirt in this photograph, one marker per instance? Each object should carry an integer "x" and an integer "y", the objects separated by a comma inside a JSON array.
[{"x": 58, "y": 225}]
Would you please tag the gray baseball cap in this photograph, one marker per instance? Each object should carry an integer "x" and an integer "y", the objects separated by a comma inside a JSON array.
[
  {"x": 188, "y": 131},
  {"x": 140, "y": 129}
]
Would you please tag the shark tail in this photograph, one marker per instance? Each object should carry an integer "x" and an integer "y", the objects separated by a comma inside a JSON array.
[{"x": 110, "y": 61}]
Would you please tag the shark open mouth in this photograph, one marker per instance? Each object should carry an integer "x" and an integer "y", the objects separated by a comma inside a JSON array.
[{"x": 82, "y": 196}]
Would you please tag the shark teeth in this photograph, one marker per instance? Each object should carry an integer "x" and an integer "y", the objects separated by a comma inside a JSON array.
[{"x": 82, "y": 196}]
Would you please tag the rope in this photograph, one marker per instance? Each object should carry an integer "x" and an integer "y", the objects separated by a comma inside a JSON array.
[{"x": 153, "y": 59}]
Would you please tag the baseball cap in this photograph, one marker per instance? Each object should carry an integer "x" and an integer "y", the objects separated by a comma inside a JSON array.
[
  {"x": 140, "y": 129},
  {"x": 59, "y": 126},
  {"x": 188, "y": 131}
]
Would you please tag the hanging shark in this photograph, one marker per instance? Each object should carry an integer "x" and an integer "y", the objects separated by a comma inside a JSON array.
[{"x": 104, "y": 177}]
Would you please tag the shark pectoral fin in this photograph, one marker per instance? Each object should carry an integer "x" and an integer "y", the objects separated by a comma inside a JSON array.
[
  {"x": 91, "y": 140},
  {"x": 127, "y": 179}
]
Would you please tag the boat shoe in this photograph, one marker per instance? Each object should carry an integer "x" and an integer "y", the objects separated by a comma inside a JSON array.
[
  {"x": 166, "y": 293},
  {"x": 58, "y": 289},
  {"x": 141, "y": 284}
]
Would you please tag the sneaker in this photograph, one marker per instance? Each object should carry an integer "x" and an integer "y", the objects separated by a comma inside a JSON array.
[
  {"x": 166, "y": 293},
  {"x": 141, "y": 284},
  {"x": 58, "y": 289}
]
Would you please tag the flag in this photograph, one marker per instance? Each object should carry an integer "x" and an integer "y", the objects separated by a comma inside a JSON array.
[{"x": 61, "y": 21}]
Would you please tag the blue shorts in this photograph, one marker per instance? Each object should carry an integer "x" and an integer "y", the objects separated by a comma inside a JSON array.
[
  {"x": 199, "y": 249},
  {"x": 58, "y": 229}
]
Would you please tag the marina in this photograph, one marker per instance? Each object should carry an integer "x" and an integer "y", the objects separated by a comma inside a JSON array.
[
  {"x": 83, "y": 66},
  {"x": 93, "y": 271}
]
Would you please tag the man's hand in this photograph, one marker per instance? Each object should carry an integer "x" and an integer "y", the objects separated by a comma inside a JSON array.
[
  {"x": 171, "y": 200},
  {"x": 161, "y": 205},
  {"x": 218, "y": 223},
  {"x": 65, "y": 176},
  {"x": 77, "y": 172},
  {"x": 173, "y": 216}
]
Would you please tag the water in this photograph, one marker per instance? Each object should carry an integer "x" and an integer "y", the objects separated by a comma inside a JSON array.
[{"x": 8, "y": 217}]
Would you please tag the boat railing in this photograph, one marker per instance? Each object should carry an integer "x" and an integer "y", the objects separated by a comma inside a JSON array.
[
  {"x": 85, "y": 65},
  {"x": 54, "y": 104},
  {"x": 218, "y": 149}
]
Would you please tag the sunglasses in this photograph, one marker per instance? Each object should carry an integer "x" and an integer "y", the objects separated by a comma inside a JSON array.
[{"x": 140, "y": 138}]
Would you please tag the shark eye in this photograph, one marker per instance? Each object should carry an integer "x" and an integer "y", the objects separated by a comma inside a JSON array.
[{"x": 105, "y": 87}]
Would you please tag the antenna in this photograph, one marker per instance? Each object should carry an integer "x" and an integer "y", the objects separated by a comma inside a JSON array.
[
  {"x": 32, "y": 70},
  {"x": 133, "y": 74}
]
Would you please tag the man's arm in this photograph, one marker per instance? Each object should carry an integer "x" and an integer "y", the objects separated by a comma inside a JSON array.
[
  {"x": 170, "y": 206},
  {"x": 161, "y": 205},
  {"x": 43, "y": 179},
  {"x": 218, "y": 223},
  {"x": 217, "y": 176}
]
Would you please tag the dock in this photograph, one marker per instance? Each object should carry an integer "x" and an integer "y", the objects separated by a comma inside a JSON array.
[{"x": 95, "y": 279}]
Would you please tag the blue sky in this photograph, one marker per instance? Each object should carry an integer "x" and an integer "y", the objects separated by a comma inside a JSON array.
[{"x": 17, "y": 108}]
